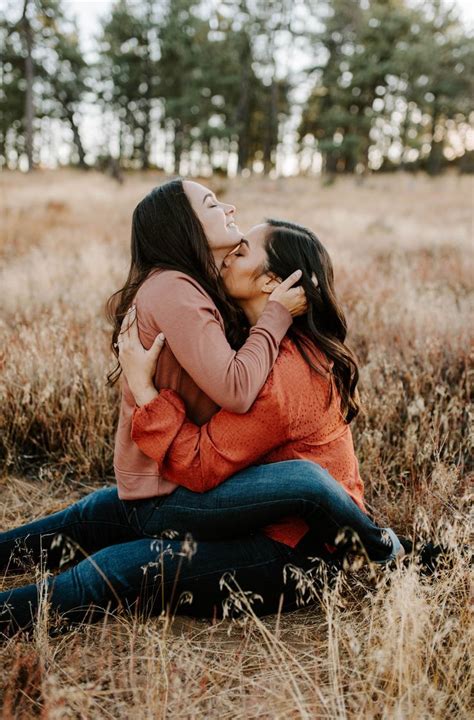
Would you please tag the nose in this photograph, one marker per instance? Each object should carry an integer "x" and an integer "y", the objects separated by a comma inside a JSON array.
[
  {"x": 228, "y": 260},
  {"x": 229, "y": 209}
]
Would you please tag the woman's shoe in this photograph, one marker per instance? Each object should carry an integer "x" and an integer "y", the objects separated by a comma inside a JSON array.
[
  {"x": 398, "y": 549},
  {"x": 430, "y": 556}
]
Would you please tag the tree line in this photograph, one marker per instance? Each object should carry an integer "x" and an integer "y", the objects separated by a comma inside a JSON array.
[{"x": 354, "y": 84}]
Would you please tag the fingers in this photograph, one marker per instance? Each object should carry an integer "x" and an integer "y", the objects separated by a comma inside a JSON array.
[
  {"x": 128, "y": 323},
  {"x": 296, "y": 292},
  {"x": 154, "y": 352},
  {"x": 128, "y": 328},
  {"x": 290, "y": 280},
  {"x": 298, "y": 300},
  {"x": 158, "y": 343},
  {"x": 128, "y": 318}
]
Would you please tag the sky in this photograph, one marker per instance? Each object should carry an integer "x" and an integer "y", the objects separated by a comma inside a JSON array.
[{"x": 88, "y": 12}]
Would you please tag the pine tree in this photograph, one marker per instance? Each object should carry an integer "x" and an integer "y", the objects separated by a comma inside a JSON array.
[
  {"x": 128, "y": 77},
  {"x": 386, "y": 59},
  {"x": 42, "y": 69},
  {"x": 443, "y": 86}
]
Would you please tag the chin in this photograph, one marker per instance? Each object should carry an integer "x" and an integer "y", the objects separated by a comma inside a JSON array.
[{"x": 235, "y": 234}]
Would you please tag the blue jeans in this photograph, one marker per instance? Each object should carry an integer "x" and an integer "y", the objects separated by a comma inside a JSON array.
[
  {"x": 145, "y": 577},
  {"x": 112, "y": 538}
]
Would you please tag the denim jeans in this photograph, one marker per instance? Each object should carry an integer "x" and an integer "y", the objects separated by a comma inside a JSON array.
[
  {"x": 113, "y": 539},
  {"x": 147, "y": 576}
]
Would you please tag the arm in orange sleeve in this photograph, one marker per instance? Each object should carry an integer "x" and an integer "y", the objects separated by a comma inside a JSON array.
[{"x": 200, "y": 458}]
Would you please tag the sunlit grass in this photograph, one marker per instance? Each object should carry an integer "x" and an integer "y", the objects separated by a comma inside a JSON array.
[{"x": 395, "y": 646}]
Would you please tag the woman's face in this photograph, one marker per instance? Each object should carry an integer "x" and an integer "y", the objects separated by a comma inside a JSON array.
[
  {"x": 217, "y": 218},
  {"x": 243, "y": 271}
]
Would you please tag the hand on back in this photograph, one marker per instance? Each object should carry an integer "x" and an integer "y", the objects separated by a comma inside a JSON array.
[{"x": 138, "y": 365}]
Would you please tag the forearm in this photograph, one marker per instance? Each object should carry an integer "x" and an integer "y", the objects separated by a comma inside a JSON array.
[
  {"x": 200, "y": 458},
  {"x": 156, "y": 424},
  {"x": 183, "y": 451}
]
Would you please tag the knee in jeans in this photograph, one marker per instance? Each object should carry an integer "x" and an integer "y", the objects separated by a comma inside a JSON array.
[
  {"x": 113, "y": 568},
  {"x": 310, "y": 474},
  {"x": 313, "y": 481}
]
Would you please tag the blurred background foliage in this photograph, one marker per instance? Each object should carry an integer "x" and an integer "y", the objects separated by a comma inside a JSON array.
[{"x": 239, "y": 86}]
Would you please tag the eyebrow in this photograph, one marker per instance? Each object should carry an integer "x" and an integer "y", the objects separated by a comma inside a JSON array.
[
  {"x": 242, "y": 242},
  {"x": 206, "y": 196}
]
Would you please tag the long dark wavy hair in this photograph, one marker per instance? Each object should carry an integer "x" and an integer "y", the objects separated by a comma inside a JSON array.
[
  {"x": 168, "y": 235},
  {"x": 291, "y": 247}
]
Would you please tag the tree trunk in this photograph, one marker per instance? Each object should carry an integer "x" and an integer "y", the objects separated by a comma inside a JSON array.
[
  {"x": 272, "y": 129},
  {"x": 434, "y": 161},
  {"x": 145, "y": 144},
  {"x": 77, "y": 140},
  {"x": 243, "y": 151},
  {"x": 404, "y": 139},
  {"x": 178, "y": 144},
  {"x": 330, "y": 161},
  {"x": 29, "y": 77},
  {"x": 3, "y": 150},
  {"x": 242, "y": 118}
]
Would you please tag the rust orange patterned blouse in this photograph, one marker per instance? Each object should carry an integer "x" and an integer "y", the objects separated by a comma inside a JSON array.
[{"x": 293, "y": 417}]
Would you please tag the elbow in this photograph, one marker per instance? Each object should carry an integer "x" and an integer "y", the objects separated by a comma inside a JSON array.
[{"x": 238, "y": 405}]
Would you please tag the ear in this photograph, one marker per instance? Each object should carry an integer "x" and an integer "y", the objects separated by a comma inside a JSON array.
[{"x": 271, "y": 283}]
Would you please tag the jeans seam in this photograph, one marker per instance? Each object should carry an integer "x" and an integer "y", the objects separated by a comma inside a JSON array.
[
  {"x": 315, "y": 507},
  {"x": 230, "y": 569},
  {"x": 51, "y": 531},
  {"x": 266, "y": 503}
]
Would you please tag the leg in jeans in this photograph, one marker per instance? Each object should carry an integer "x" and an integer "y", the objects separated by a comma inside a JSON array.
[
  {"x": 148, "y": 576},
  {"x": 263, "y": 494},
  {"x": 244, "y": 503},
  {"x": 97, "y": 520}
]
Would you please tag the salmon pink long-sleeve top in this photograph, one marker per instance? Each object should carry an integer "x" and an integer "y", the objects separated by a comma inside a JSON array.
[
  {"x": 296, "y": 416},
  {"x": 197, "y": 362}
]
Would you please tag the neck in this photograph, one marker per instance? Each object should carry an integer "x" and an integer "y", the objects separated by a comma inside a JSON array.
[
  {"x": 254, "y": 308},
  {"x": 219, "y": 254}
]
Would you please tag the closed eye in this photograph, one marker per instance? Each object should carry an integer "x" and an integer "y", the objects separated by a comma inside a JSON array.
[{"x": 243, "y": 249}]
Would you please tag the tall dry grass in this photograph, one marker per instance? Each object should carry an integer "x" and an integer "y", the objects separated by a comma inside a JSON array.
[{"x": 394, "y": 646}]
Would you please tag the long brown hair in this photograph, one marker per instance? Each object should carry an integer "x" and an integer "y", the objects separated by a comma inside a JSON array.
[
  {"x": 291, "y": 247},
  {"x": 167, "y": 234}
]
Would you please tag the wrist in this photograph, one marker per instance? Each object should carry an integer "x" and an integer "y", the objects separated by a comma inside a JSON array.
[
  {"x": 280, "y": 311},
  {"x": 145, "y": 395}
]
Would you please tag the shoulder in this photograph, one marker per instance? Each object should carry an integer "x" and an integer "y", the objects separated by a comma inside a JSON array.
[
  {"x": 171, "y": 282},
  {"x": 289, "y": 358},
  {"x": 288, "y": 371},
  {"x": 291, "y": 369},
  {"x": 173, "y": 293},
  {"x": 171, "y": 297}
]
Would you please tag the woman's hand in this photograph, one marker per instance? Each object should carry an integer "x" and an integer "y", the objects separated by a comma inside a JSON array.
[
  {"x": 294, "y": 299},
  {"x": 138, "y": 364}
]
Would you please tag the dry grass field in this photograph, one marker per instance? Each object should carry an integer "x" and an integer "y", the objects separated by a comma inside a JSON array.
[{"x": 383, "y": 646}]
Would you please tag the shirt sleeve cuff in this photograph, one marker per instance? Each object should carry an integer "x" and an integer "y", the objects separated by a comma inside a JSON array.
[
  {"x": 144, "y": 413},
  {"x": 275, "y": 318}
]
